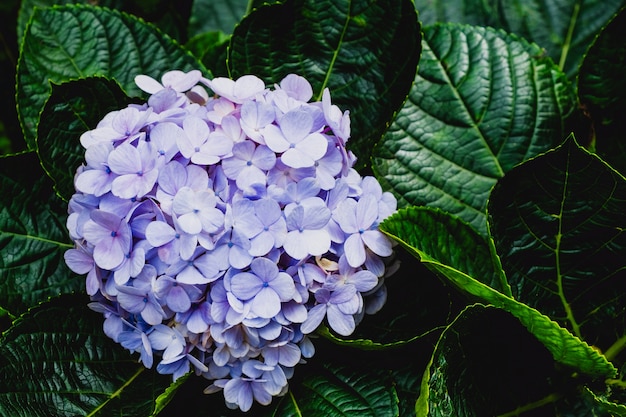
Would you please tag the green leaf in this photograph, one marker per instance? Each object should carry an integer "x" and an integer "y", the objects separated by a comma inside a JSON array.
[
  {"x": 73, "y": 108},
  {"x": 602, "y": 91},
  {"x": 485, "y": 370},
  {"x": 558, "y": 226},
  {"x": 566, "y": 349},
  {"x": 337, "y": 390},
  {"x": 70, "y": 42},
  {"x": 563, "y": 28},
  {"x": 211, "y": 48},
  {"x": 215, "y": 16},
  {"x": 482, "y": 102},
  {"x": 604, "y": 404},
  {"x": 166, "y": 397},
  {"x": 27, "y": 7},
  {"x": 365, "y": 52},
  {"x": 33, "y": 236},
  {"x": 57, "y": 361}
]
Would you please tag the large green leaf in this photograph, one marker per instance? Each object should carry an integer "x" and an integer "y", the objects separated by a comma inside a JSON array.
[
  {"x": 418, "y": 229},
  {"x": 33, "y": 236},
  {"x": 364, "y": 51},
  {"x": 70, "y": 42},
  {"x": 482, "y": 102},
  {"x": 564, "y": 28},
  {"x": 57, "y": 361},
  {"x": 27, "y": 7},
  {"x": 496, "y": 370},
  {"x": 340, "y": 391},
  {"x": 73, "y": 108},
  {"x": 558, "y": 226},
  {"x": 215, "y": 16},
  {"x": 602, "y": 91}
]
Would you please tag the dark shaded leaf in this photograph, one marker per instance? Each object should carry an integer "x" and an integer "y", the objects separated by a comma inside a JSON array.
[
  {"x": 33, "y": 236},
  {"x": 602, "y": 91},
  {"x": 211, "y": 48},
  {"x": 57, "y": 361},
  {"x": 563, "y": 28},
  {"x": 215, "y": 16},
  {"x": 478, "y": 370},
  {"x": 558, "y": 226}
]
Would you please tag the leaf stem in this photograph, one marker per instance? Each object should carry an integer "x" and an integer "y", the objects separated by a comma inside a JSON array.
[
  {"x": 331, "y": 65},
  {"x": 615, "y": 348},
  {"x": 554, "y": 397},
  {"x": 116, "y": 393},
  {"x": 569, "y": 36},
  {"x": 557, "y": 259}
]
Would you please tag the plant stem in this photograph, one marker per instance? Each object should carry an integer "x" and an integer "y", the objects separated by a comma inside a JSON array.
[
  {"x": 554, "y": 397},
  {"x": 615, "y": 348},
  {"x": 569, "y": 36}
]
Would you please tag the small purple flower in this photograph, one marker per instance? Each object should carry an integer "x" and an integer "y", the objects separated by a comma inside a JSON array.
[
  {"x": 140, "y": 301},
  {"x": 98, "y": 177},
  {"x": 135, "y": 167},
  {"x": 249, "y": 164},
  {"x": 300, "y": 147},
  {"x": 196, "y": 211},
  {"x": 241, "y": 391},
  {"x": 265, "y": 286},
  {"x": 111, "y": 237},
  {"x": 358, "y": 220},
  {"x": 307, "y": 235},
  {"x": 200, "y": 145},
  {"x": 177, "y": 296},
  {"x": 337, "y": 306}
]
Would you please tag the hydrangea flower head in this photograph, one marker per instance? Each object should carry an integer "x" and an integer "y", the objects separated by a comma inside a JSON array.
[{"x": 221, "y": 223}]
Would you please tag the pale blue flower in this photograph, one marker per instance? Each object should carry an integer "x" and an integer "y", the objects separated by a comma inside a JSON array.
[
  {"x": 338, "y": 306},
  {"x": 265, "y": 286},
  {"x": 306, "y": 223},
  {"x": 254, "y": 117},
  {"x": 135, "y": 167},
  {"x": 300, "y": 147},
  {"x": 237, "y": 91},
  {"x": 200, "y": 145},
  {"x": 249, "y": 164},
  {"x": 196, "y": 211},
  {"x": 137, "y": 341},
  {"x": 111, "y": 237},
  {"x": 178, "y": 81},
  {"x": 358, "y": 220},
  {"x": 97, "y": 178}
]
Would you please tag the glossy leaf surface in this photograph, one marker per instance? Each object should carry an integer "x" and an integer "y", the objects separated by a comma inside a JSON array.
[{"x": 482, "y": 102}]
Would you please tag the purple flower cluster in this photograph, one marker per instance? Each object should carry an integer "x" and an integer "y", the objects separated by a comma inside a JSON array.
[{"x": 218, "y": 232}]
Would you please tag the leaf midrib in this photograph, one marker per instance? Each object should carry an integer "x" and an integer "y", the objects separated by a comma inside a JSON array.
[{"x": 335, "y": 52}]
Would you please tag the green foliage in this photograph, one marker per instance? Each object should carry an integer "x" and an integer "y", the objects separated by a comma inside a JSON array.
[
  {"x": 72, "y": 42},
  {"x": 473, "y": 113},
  {"x": 52, "y": 366}
]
